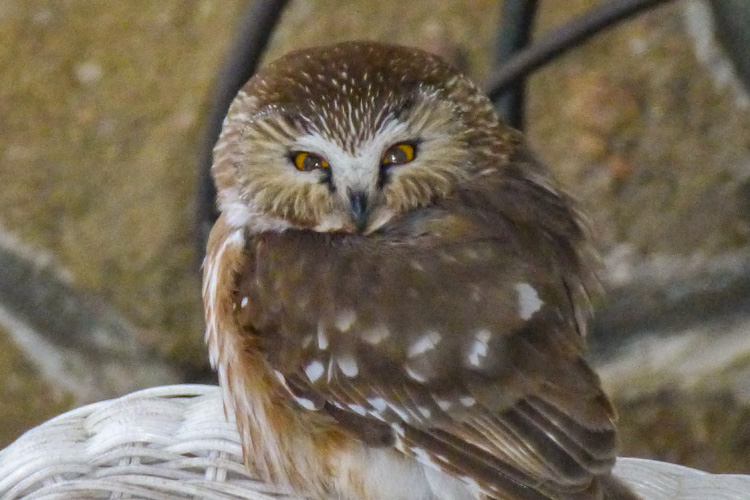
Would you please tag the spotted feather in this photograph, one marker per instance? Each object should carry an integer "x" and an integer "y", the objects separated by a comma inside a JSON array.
[{"x": 411, "y": 331}]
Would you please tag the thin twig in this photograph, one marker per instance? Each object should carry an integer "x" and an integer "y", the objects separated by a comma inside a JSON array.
[
  {"x": 514, "y": 34},
  {"x": 562, "y": 40}
]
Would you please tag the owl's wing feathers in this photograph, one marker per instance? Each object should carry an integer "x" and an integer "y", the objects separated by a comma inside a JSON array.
[{"x": 464, "y": 342}]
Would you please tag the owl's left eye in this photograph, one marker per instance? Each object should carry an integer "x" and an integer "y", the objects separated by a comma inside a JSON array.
[
  {"x": 399, "y": 154},
  {"x": 307, "y": 162}
]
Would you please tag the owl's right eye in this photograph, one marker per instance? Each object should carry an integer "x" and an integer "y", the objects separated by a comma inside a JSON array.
[{"x": 307, "y": 162}]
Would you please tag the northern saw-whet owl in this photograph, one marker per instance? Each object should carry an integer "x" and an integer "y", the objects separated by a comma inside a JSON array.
[{"x": 396, "y": 292}]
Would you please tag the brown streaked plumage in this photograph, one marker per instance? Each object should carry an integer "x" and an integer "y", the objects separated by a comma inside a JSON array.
[{"x": 396, "y": 292}]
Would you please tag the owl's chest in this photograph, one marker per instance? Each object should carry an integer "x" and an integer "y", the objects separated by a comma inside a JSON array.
[{"x": 385, "y": 474}]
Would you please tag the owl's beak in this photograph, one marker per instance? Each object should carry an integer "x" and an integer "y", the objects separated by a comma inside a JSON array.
[{"x": 359, "y": 208}]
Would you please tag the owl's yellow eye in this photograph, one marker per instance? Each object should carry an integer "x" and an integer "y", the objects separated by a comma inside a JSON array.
[
  {"x": 399, "y": 154},
  {"x": 307, "y": 162}
]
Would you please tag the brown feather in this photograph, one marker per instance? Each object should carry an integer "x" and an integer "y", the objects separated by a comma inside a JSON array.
[
  {"x": 450, "y": 325},
  {"x": 532, "y": 360}
]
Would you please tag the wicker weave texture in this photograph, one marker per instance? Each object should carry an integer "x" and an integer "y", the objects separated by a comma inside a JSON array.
[
  {"x": 163, "y": 443},
  {"x": 175, "y": 442}
]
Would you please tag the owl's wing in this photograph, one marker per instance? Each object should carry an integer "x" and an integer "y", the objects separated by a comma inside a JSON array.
[{"x": 465, "y": 349}]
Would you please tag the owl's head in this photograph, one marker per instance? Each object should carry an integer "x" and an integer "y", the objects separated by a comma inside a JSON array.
[{"x": 350, "y": 136}]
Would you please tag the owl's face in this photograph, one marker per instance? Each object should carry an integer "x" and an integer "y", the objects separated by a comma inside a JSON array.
[{"x": 349, "y": 137}]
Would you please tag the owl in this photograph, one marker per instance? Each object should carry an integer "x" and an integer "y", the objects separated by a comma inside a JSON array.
[{"x": 396, "y": 292}]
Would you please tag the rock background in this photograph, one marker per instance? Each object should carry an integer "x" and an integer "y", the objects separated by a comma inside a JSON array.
[{"x": 101, "y": 109}]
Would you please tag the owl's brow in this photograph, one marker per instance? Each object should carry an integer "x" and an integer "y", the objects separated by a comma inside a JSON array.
[
  {"x": 291, "y": 115},
  {"x": 275, "y": 112}
]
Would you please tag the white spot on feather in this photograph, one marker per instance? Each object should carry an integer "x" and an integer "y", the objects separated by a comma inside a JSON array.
[
  {"x": 379, "y": 404},
  {"x": 244, "y": 302},
  {"x": 345, "y": 320},
  {"x": 358, "y": 409},
  {"x": 423, "y": 344},
  {"x": 377, "y": 415},
  {"x": 479, "y": 347},
  {"x": 426, "y": 412},
  {"x": 416, "y": 265},
  {"x": 528, "y": 300},
  {"x": 467, "y": 401},
  {"x": 400, "y": 446},
  {"x": 444, "y": 404},
  {"x": 305, "y": 403},
  {"x": 446, "y": 257},
  {"x": 451, "y": 82},
  {"x": 314, "y": 371},
  {"x": 322, "y": 338},
  {"x": 280, "y": 377},
  {"x": 375, "y": 335},
  {"x": 472, "y": 254},
  {"x": 401, "y": 413},
  {"x": 414, "y": 374},
  {"x": 348, "y": 365}
]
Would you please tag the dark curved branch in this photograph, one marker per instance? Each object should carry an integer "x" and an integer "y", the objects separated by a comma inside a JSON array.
[
  {"x": 667, "y": 296},
  {"x": 514, "y": 34},
  {"x": 562, "y": 40},
  {"x": 76, "y": 340},
  {"x": 733, "y": 31},
  {"x": 256, "y": 28}
]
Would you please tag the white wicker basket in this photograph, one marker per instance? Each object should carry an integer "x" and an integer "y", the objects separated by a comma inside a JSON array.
[{"x": 174, "y": 442}]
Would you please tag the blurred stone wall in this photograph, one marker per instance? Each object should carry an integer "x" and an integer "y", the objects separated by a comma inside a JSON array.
[{"x": 101, "y": 108}]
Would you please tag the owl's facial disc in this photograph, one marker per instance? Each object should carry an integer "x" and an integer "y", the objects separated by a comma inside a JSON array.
[
  {"x": 343, "y": 164},
  {"x": 295, "y": 173},
  {"x": 355, "y": 177},
  {"x": 350, "y": 138}
]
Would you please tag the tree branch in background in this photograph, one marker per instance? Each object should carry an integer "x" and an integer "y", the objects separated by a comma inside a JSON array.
[
  {"x": 514, "y": 34},
  {"x": 562, "y": 40}
]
